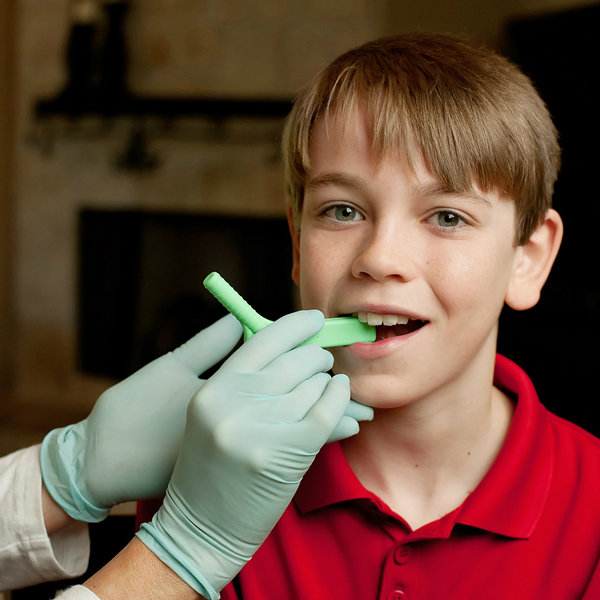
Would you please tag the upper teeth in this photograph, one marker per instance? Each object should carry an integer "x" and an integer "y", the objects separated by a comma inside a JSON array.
[{"x": 377, "y": 319}]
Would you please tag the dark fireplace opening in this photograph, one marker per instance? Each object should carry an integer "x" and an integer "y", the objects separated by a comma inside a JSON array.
[{"x": 141, "y": 273}]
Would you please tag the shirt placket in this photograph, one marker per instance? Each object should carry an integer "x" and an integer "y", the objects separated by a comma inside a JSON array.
[{"x": 402, "y": 571}]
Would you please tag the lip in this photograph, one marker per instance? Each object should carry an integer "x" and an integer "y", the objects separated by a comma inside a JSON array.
[{"x": 383, "y": 348}]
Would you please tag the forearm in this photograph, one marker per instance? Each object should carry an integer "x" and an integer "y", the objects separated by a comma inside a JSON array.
[
  {"x": 137, "y": 572},
  {"x": 134, "y": 571},
  {"x": 55, "y": 517}
]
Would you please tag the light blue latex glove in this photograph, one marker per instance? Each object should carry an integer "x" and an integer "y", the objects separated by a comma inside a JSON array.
[
  {"x": 252, "y": 432},
  {"x": 127, "y": 447}
]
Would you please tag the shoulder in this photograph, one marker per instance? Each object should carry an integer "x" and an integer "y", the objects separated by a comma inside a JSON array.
[
  {"x": 576, "y": 460},
  {"x": 542, "y": 427},
  {"x": 574, "y": 442}
]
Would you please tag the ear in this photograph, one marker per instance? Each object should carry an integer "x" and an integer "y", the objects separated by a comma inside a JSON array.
[
  {"x": 295, "y": 235},
  {"x": 533, "y": 263}
]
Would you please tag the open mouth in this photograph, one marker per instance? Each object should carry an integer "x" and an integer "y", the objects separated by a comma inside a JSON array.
[{"x": 388, "y": 326}]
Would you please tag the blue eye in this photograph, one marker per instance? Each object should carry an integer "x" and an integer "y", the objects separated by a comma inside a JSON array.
[
  {"x": 448, "y": 220},
  {"x": 343, "y": 212}
]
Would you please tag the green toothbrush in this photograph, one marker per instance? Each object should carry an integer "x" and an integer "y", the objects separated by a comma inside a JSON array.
[{"x": 339, "y": 331}]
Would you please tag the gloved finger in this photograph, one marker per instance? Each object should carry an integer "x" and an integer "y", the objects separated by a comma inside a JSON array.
[
  {"x": 289, "y": 370},
  {"x": 325, "y": 415},
  {"x": 209, "y": 346},
  {"x": 293, "y": 406},
  {"x": 359, "y": 412},
  {"x": 349, "y": 426},
  {"x": 346, "y": 428},
  {"x": 281, "y": 336}
]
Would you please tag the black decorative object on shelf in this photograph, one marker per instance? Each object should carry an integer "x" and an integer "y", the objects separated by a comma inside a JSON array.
[
  {"x": 96, "y": 57},
  {"x": 112, "y": 82}
]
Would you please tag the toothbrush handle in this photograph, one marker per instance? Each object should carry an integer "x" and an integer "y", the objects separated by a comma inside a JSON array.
[
  {"x": 338, "y": 331},
  {"x": 234, "y": 303}
]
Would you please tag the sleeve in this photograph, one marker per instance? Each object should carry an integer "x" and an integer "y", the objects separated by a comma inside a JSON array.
[
  {"x": 27, "y": 554},
  {"x": 593, "y": 588},
  {"x": 77, "y": 592}
]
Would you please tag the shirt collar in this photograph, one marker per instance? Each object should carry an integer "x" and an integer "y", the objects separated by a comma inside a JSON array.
[
  {"x": 330, "y": 480},
  {"x": 510, "y": 498}
]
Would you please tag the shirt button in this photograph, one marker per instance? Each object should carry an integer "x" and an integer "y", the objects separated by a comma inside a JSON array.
[
  {"x": 402, "y": 555},
  {"x": 397, "y": 595}
]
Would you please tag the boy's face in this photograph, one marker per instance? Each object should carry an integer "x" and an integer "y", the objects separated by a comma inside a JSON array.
[{"x": 379, "y": 238}]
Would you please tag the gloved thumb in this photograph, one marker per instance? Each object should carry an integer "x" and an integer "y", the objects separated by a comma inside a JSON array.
[{"x": 211, "y": 345}]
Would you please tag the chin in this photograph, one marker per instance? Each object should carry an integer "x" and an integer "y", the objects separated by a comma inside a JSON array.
[{"x": 378, "y": 391}]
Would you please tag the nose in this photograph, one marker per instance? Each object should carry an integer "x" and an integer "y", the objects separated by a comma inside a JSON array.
[{"x": 384, "y": 253}]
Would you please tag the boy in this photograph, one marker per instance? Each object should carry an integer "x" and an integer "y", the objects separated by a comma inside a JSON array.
[{"x": 419, "y": 173}]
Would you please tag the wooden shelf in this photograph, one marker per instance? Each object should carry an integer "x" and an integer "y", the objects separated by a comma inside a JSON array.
[{"x": 74, "y": 105}]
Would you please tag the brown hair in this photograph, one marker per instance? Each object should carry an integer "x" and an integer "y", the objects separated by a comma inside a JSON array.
[{"x": 473, "y": 115}]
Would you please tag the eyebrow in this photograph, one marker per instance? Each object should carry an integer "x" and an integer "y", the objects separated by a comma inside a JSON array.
[
  {"x": 337, "y": 178},
  {"x": 436, "y": 188}
]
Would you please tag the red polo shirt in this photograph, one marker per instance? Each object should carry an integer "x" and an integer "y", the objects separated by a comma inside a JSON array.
[{"x": 530, "y": 530}]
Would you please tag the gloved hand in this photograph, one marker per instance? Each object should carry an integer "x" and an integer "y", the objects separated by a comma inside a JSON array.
[
  {"x": 127, "y": 447},
  {"x": 252, "y": 431}
]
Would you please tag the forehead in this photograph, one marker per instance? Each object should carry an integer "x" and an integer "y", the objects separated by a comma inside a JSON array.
[
  {"x": 346, "y": 140},
  {"x": 334, "y": 133},
  {"x": 344, "y": 143}
]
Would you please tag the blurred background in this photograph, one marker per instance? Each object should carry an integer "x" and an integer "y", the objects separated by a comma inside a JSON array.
[{"x": 140, "y": 152}]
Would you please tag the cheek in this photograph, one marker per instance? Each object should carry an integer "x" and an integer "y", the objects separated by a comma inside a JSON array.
[
  {"x": 473, "y": 281},
  {"x": 321, "y": 265},
  {"x": 313, "y": 270}
]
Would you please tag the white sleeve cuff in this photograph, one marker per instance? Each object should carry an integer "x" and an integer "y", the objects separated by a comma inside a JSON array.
[
  {"x": 77, "y": 592},
  {"x": 27, "y": 554}
]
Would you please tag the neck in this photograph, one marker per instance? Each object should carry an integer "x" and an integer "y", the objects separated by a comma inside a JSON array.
[{"x": 424, "y": 459}]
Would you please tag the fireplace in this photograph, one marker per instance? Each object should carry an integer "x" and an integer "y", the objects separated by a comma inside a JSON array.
[{"x": 140, "y": 280}]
